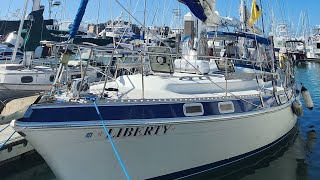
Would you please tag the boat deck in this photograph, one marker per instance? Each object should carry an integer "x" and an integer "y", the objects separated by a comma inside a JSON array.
[{"x": 180, "y": 85}]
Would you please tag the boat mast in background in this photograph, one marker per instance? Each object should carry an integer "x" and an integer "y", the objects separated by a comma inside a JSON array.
[
  {"x": 21, "y": 26},
  {"x": 97, "y": 29},
  {"x": 243, "y": 16},
  {"x": 144, "y": 19},
  {"x": 52, "y": 3},
  {"x": 129, "y": 12},
  {"x": 36, "y": 5}
]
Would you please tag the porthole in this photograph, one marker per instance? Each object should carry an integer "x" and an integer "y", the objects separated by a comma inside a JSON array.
[
  {"x": 193, "y": 109},
  {"x": 226, "y": 107},
  {"x": 27, "y": 79}
]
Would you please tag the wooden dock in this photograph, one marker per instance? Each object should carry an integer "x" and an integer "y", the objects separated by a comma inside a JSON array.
[{"x": 15, "y": 148}]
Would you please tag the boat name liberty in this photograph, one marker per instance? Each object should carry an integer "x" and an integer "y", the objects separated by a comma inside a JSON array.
[{"x": 137, "y": 131}]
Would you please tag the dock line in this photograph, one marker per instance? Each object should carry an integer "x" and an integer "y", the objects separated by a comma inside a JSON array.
[
  {"x": 2, "y": 145},
  {"x": 4, "y": 128},
  {"x": 111, "y": 141}
]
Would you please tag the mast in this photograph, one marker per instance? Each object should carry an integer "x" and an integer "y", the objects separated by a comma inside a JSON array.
[
  {"x": 36, "y": 5},
  {"x": 262, "y": 19},
  {"x": 243, "y": 16},
  {"x": 179, "y": 17},
  {"x": 144, "y": 18},
  {"x": 243, "y": 26},
  {"x": 97, "y": 27},
  {"x": 129, "y": 11},
  {"x": 50, "y": 6},
  {"x": 112, "y": 25},
  {"x": 20, "y": 30}
]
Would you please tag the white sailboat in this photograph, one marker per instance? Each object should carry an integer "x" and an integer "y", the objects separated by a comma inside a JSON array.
[{"x": 165, "y": 124}]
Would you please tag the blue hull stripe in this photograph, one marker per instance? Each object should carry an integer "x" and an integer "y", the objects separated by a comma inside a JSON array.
[
  {"x": 220, "y": 165},
  {"x": 129, "y": 111}
]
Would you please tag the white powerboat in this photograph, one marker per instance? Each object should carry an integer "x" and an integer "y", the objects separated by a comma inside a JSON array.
[{"x": 118, "y": 29}]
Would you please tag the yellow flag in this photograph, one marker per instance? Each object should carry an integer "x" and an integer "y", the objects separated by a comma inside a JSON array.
[{"x": 255, "y": 12}]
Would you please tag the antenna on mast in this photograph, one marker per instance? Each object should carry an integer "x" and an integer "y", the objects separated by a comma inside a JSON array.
[{"x": 52, "y": 4}]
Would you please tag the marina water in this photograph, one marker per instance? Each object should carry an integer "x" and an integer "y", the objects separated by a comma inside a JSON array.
[{"x": 299, "y": 159}]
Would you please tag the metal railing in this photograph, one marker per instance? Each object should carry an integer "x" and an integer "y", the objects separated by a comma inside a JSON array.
[{"x": 263, "y": 68}]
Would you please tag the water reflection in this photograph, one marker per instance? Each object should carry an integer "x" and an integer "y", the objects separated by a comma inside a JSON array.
[
  {"x": 311, "y": 140},
  {"x": 38, "y": 172},
  {"x": 292, "y": 165}
]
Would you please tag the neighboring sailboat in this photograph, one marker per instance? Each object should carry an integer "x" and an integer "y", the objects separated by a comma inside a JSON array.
[{"x": 30, "y": 76}]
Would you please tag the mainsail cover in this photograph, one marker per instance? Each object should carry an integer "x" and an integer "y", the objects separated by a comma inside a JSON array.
[{"x": 203, "y": 10}]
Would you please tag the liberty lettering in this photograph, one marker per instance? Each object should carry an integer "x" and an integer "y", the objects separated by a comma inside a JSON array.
[
  {"x": 128, "y": 132},
  {"x": 140, "y": 131},
  {"x": 110, "y": 132},
  {"x": 166, "y": 128},
  {"x": 158, "y": 127},
  {"x": 119, "y": 132},
  {"x": 148, "y": 131}
]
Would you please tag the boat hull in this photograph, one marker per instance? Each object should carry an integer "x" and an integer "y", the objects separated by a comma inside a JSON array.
[{"x": 162, "y": 149}]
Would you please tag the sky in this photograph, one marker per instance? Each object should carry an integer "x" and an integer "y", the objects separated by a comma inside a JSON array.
[{"x": 161, "y": 12}]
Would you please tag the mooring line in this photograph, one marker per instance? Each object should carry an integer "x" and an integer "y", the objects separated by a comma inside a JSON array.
[
  {"x": 2, "y": 145},
  {"x": 111, "y": 142},
  {"x": 4, "y": 128}
]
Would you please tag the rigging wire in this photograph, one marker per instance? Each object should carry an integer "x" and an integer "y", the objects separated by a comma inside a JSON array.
[
  {"x": 155, "y": 13},
  {"x": 182, "y": 56},
  {"x": 5, "y": 22},
  {"x": 166, "y": 44}
]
